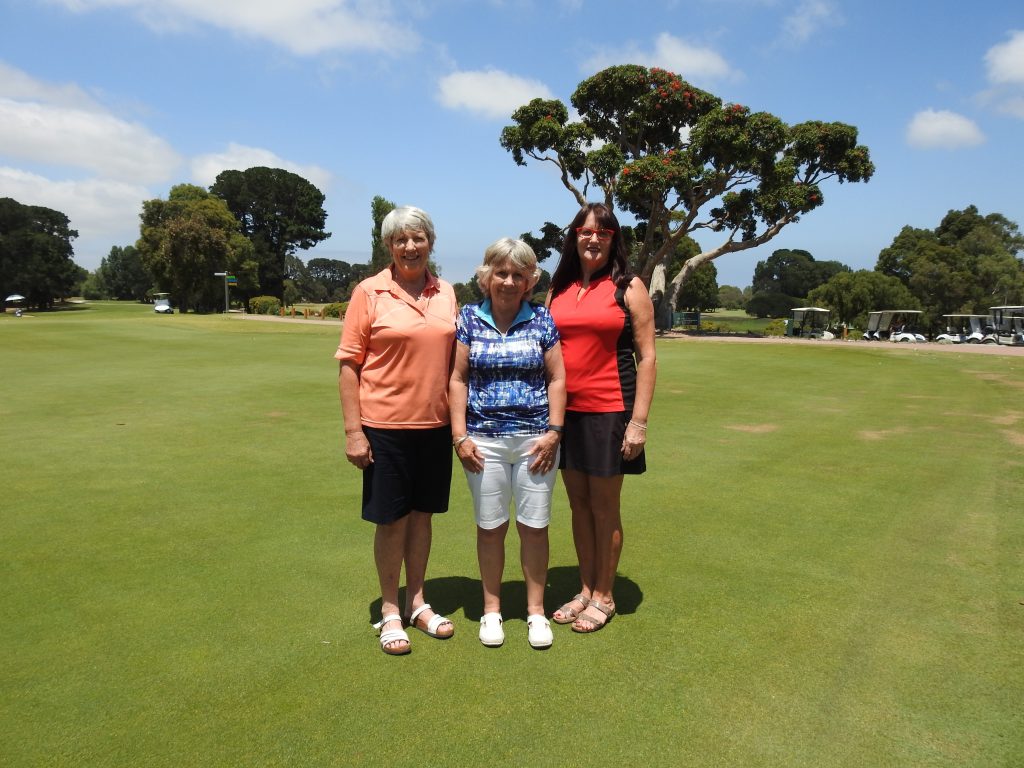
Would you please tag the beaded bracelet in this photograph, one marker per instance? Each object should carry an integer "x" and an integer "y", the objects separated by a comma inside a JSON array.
[{"x": 638, "y": 425}]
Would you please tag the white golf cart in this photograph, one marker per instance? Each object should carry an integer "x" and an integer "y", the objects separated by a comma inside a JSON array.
[
  {"x": 898, "y": 325},
  {"x": 162, "y": 304},
  {"x": 967, "y": 329},
  {"x": 1008, "y": 324},
  {"x": 809, "y": 323}
]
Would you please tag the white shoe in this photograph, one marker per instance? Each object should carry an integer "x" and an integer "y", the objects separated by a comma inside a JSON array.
[
  {"x": 540, "y": 631},
  {"x": 491, "y": 632}
]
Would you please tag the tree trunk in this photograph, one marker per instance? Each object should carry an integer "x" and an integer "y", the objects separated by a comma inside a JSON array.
[{"x": 662, "y": 307}]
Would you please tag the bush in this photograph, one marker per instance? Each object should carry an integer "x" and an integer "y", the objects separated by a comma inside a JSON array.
[
  {"x": 336, "y": 309},
  {"x": 776, "y": 327},
  {"x": 264, "y": 305}
]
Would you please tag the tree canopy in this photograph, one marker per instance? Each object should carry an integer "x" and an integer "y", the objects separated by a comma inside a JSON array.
[
  {"x": 188, "y": 237},
  {"x": 851, "y": 295},
  {"x": 36, "y": 253},
  {"x": 966, "y": 264},
  {"x": 681, "y": 161},
  {"x": 279, "y": 211}
]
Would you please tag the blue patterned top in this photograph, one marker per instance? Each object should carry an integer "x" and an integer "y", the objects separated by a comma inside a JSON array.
[{"x": 508, "y": 392}]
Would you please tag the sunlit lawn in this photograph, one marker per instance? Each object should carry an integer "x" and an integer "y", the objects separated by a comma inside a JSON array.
[{"x": 823, "y": 566}]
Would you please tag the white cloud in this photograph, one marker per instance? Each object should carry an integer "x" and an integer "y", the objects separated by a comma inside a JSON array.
[
  {"x": 491, "y": 93},
  {"x": 809, "y": 17},
  {"x": 1006, "y": 61},
  {"x": 96, "y": 141},
  {"x": 304, "y": 27},
  {"x": 692, "y": 62},
  {"x": 21, "y": 86},
  {"x": 104, "y": 212},
  {"x": 941, "y": 129},
  {"x": 238, "y": 157}
]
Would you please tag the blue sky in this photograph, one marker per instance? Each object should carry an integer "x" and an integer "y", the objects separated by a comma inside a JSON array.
[{"x": 106, "y": 103}]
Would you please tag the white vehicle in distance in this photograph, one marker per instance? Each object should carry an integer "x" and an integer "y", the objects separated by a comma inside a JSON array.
[
  {"x": 162, "y": 304},
  {"x": 894, "y": 325},
  {"x": 967, "y": 329},
  {"x": 809, "y": 323},
  {"x": 1008, "y": 323}
]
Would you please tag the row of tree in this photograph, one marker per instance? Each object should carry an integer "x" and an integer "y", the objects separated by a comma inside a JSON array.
[{"x": 966, "y": 265}]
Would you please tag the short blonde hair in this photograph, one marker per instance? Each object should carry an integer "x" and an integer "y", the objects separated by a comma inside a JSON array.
[{"x": 515, "y": 252}]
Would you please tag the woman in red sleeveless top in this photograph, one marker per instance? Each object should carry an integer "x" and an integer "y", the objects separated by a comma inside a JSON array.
[{"x": 605, "y": 319}]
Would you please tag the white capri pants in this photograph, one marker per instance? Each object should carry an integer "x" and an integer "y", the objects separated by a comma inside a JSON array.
[{"x": 506, "y": 474}]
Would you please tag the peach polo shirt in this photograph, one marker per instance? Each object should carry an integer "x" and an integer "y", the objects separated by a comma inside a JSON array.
[{"x": 403, "y": 350}]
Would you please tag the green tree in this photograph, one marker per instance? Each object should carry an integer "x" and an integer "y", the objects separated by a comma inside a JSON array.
[
  {"x": 793, "y": 273},
  {"x": 380, "y": 257},
  {"x": 36, "y": 254},
  {"x": 279, "y": 211},
  {"x": 336, "y": 276},
  {"x": 681, "y": 161},
  {"x": 188, "y": 237},
  {"x": 851, "y": 295},
  {"x": 731, "y": 297},
  {"x": 967, "y": 264},
  {"x": 123, "y": 275},
  {"x": 700, "y": 292}
]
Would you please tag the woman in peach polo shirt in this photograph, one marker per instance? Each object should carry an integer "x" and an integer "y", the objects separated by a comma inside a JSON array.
[{"x": 395, "y": 355}]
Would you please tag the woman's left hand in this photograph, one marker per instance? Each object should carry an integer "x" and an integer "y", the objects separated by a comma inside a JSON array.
[
  {"x": 633, "y": 441},
  {"x": 545, "y": 451}
]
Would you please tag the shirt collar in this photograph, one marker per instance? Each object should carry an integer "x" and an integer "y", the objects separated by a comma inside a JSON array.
[
  {"x": 483, "y": 311},
  {"x": 386, "y": 282}
]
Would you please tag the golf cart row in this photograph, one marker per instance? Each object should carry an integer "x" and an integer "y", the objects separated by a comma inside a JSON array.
[{"x": 1005, "y": 325}]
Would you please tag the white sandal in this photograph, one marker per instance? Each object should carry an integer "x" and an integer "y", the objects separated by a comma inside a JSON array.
[
  {"x": 491, "y": 633},
  {"x": 436, "y": 621},
  {"x": 392, "y": 636},
  {"x": 539, "y": 631}
]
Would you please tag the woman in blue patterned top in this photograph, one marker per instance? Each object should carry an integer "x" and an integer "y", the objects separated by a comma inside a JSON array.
[{"x": 507, "y": 399}]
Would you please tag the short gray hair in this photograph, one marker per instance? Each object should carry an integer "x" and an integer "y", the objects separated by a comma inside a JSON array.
[
  {"x": 515, "y": 252},
  {"x": 406, "y": 218}
]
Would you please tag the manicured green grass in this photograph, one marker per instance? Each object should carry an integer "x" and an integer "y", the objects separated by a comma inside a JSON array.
[{"x": 821, "y": 568}]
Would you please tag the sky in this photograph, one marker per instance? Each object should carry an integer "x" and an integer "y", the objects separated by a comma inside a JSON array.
[{"x": 106, "y": 103}]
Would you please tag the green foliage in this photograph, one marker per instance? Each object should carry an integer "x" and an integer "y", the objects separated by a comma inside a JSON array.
[
  {"x": 36, "y": 254},
  {"x": 667, "y": 151},
  {"x": 776, "y": 327},
  {"x": 700, "y": 292},
  {"x": 123, "y": 275},
  {"x": 731, "y": 297},
  {"x": 967, "y": 264},
  {"x": 279, "y": 211},
  {"x": 264, "y": 305},
  {"x": 334, "y": 309},
  {"x": 851, "y": 295},
  {"x": 771, "y": 305},
  {"x": 185, "y": 239},
  {"x": 793, "y": 273}
]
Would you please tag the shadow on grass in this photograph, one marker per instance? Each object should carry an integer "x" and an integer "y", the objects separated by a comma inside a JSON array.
[{"x": 450, "y": 595}]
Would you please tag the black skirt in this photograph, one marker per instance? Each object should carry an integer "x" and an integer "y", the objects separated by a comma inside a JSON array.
[{"x": 592, "y": 444}]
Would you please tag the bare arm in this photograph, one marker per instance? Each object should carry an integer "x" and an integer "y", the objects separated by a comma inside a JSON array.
[
  {"x": 546, "y": 447},
  {"x": 458, "y": 400},
  {"x": 641, "y": 313},
  {"x": 357, "y": 447}
]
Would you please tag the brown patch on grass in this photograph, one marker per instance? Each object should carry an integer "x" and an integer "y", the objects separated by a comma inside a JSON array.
[
  {"x": 998, "y": 378},
  {"x": 757, "y": 429},
  {"x": 1008, "y": 419},
  {"x": 1015, "y": 438},
  {"x": 881, "y": 434},
  {"x": 277, "y": 414}
]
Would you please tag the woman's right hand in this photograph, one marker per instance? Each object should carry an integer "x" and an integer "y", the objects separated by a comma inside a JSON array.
[
  {"x": 357, "y": 450},
  {"x": 470, "y": 456}
]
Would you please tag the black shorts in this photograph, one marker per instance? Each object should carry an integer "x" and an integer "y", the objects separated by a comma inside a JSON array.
[
  {"x": 411, "y": 469},
  {"x": 592, "y": 444}
]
